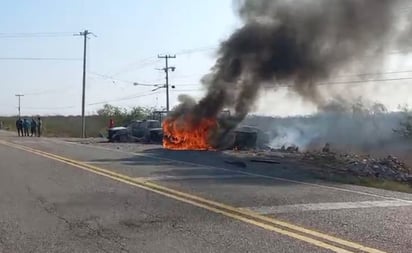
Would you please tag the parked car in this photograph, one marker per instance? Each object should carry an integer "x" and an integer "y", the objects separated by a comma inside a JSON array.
[{"x": 147, "y": 131}]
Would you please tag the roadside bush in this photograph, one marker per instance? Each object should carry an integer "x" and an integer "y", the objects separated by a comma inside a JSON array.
[
  {"x": 122, "y": 116},
  {"x": 405, "y": 125}
]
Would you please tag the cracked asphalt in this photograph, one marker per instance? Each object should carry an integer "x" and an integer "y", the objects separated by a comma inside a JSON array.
[{"x": 49, "y": 206}]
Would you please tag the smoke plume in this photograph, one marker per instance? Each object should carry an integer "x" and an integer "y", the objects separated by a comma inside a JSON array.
[{"x": 297, "y": 43}]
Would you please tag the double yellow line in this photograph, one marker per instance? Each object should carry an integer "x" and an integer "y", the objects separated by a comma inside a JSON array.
[{"x": 309, "y": 236}]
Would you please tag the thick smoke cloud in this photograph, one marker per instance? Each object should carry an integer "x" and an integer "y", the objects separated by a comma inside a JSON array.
[{"x": 296, "y": 43}]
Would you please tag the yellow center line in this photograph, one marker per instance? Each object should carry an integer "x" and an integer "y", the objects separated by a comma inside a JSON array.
[{"x": 271, "y": 224}]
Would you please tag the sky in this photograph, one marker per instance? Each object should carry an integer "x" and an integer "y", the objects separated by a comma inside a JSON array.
[{"x": 129, "y": 36}]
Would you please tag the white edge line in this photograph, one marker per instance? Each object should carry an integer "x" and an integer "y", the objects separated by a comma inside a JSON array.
[
  {"x": 192, "y": 177},
  {"x": 241, "y": 172},
  {"x": 268, "y": 210}
]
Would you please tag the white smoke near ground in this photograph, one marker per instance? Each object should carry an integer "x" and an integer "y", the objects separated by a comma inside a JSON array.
[
  {"x": 343, "y": 131},
  {"x": 299, "y": 135},
  {"x": 356, "y": 128}
]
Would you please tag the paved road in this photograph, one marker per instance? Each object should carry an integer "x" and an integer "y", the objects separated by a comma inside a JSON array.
[{"x": 58, "y": 196}]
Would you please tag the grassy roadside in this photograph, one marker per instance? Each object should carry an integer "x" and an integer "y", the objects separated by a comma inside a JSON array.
[
  {"x": 365, "y": 181},
  {"x": 65, "y": 126},
  {"x": 331, "y": 171}
]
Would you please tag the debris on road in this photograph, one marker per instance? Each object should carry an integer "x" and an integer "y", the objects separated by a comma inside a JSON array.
[
  {"x": 290, "y": 149},
  {"x": 330, "y": 161},
  {"x": 326, "y": 148},
  {"x": 236, "y": 163},
  {"x": 361, "y": 165},
  {"x": 264, "y": 161}
]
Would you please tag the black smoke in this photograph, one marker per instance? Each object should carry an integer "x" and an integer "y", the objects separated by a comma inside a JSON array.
[{"x": 297, "y": 43}]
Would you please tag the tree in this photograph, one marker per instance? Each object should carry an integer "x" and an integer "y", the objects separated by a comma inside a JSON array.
[
  {"x": 405, "y": 125},
  {"x": 110, "y": 111},
  {"x": 122, "y": 116}
]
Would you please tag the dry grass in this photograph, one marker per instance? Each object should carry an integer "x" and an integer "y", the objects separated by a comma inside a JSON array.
[
  {"x": 66, "y": 126},
  {"x": 369, "y": 182}
]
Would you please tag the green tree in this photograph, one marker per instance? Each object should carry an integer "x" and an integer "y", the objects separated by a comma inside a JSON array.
[
  {"x": 405, "y": 125},
  {"x": 122, "y": 116},
  {"x": 110, "y": 111}
]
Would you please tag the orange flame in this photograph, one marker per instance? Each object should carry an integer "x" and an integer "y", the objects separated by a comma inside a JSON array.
[{"x": 181, "y": 134}]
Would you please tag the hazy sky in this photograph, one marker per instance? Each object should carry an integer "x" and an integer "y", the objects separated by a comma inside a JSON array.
[{"x": 130, "y": 35}]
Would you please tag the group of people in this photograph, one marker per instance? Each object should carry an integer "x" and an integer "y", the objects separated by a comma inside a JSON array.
[{"x": 26, "y": 127}]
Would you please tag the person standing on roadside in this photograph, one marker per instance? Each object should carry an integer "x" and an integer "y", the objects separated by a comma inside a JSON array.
[
  {"x": 39, "y": 126},
  {"x": 26, "y": 126},
  {"x": 111, "y": 123},
  {"x": 33, "y": 127},
  {"x": 19, "y": 126}
]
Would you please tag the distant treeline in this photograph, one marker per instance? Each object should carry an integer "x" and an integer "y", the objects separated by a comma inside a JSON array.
[{"x": 96, "y": 125}]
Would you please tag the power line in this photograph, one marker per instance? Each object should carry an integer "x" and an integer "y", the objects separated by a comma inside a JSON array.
[
  {"x": 38, "y": 33},
  {"x": 146, "y": 84},
  {"x": 51, "y": 108},
  {"x": 35, "y": 35},
  {"x": 380, "y": 73},
  {"x": 196, "y": 50},
  {"x": 51, "y": 91},
  {"x": 136, "y": 65},
  {"x": 365, "y": 81},
  {"x": 188, "y": 90},
  {"x": 122, "y": 80},
  {"x": 186, "y": 84},
  {"x": 111, "y": 78},
  {"x": 38, "y": 59},
  {"x": 359, "y": 82},
  {"x": 149, "y": 60},
  {"x": 332, "y": 82},
  {"x": 125, "y": 98}
]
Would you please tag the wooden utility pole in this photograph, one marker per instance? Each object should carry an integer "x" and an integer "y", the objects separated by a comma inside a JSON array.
[
  {"x": 85, "y": 37},
  {"x": 19, "y": 108},
  {"x": 166, "y": 69}
]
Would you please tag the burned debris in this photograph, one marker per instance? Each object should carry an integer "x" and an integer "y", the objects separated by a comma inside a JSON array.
[{"x": 389, "y": 168}]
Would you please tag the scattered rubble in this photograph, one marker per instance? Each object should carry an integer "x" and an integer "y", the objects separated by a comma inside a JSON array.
[
  {"x": 291, "y": 149},
  {"x": 326, "y": 148},
  {"x": 236, "y": 163},
  {"x": 264, "y": 161},
  {"x": 330, "y": 161},
  {"x": 362, "y": 165}
]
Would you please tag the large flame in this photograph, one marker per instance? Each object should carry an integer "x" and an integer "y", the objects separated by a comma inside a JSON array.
[{"x": 181, "y": 134}]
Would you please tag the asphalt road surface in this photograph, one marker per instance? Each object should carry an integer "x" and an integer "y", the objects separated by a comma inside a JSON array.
[{"x": 59, "y": 196}]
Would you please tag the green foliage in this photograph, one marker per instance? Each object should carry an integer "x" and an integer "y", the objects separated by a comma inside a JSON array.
[
  {"x": 122, "y": 116},
  {"x": 9, "y": 123},
  {"x": 405, "y": 125},
  {"x": 65, "y": 126}
]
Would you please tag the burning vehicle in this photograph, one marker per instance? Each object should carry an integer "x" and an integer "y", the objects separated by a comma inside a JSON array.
[
  {"x": 211, "y": 134},
  {"x": 179, "y": 135},
  {"x": 283, "y": 44},
  {"x": 146, "y": 131}
]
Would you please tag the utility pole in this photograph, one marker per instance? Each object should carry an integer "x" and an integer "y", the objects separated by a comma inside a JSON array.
[
  {"x": 19, "y": 96},
  {"x": 166, "y": 69},
  {"x": 85, "y": 37}
]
